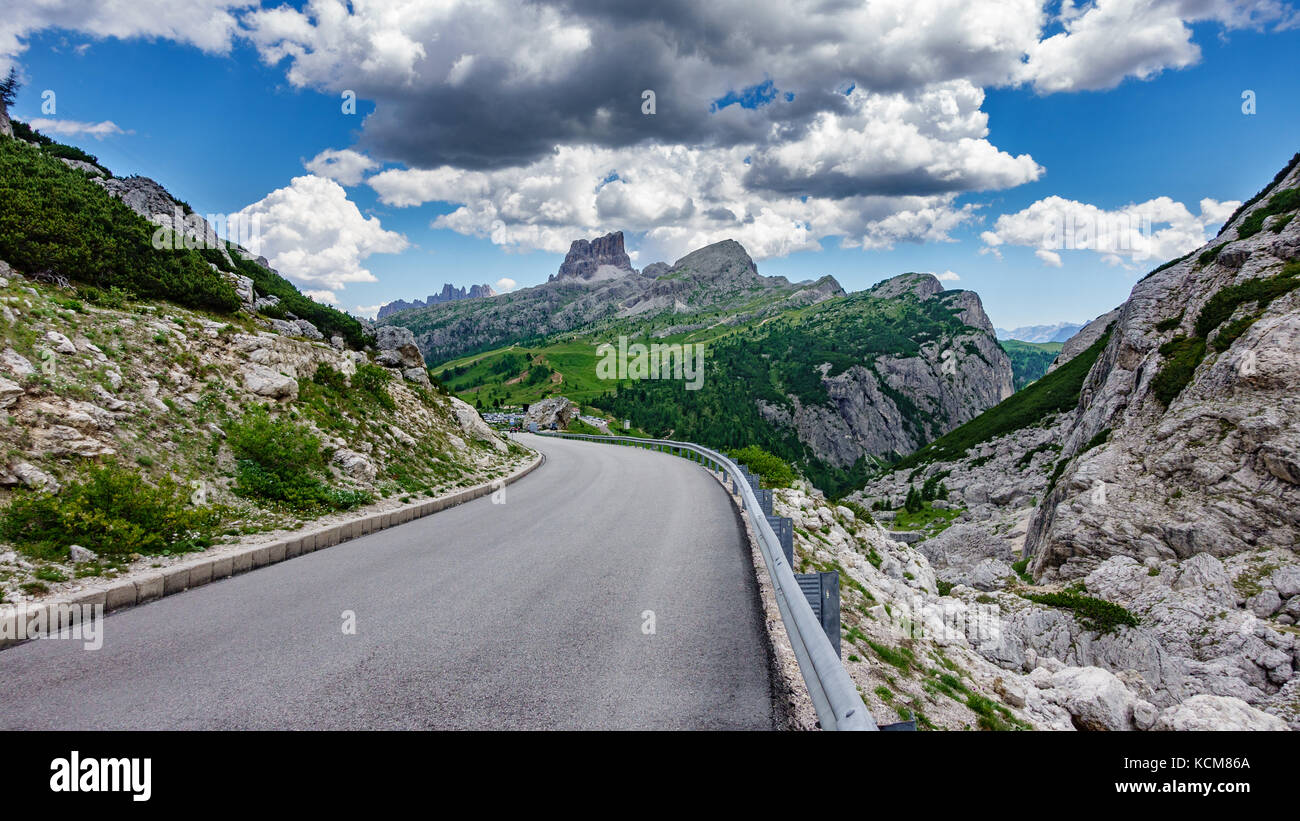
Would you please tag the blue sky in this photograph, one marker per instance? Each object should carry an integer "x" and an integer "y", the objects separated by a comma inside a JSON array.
[{"x": 224, "y": 130}]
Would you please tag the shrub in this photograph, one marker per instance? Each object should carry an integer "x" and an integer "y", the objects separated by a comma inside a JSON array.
[
  {"x": 328, "y": 376},
  {"x": 772, "y": 470},
  {"x": 280, "y": 462},
  {"x": 1279, "y": 203},
  {"x": 112, "y": 511},
  {"x": 859, "y": 510},
  {"x": 1094, "y": 614},
  {"x": 1182, "y": 356},
  {"x": 55, "y": 219},
  {"x": 373, "y": 381}
]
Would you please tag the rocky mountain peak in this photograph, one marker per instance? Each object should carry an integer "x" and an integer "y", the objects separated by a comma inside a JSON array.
[
  {"x": 599, "y": 259},
  {"x": 923, "y": 286},
  {"x": 725, "y": 258}
]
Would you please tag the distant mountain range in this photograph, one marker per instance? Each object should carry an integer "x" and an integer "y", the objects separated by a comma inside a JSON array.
[
  {"x": 449, "y": 293},
  {"x": 832, "y": 382},
  {"x": 1059, "y": 332}
]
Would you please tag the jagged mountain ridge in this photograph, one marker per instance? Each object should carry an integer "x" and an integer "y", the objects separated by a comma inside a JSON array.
[
  {"x": 449, "y": 293},
  {"x": 719, "y": 283}
]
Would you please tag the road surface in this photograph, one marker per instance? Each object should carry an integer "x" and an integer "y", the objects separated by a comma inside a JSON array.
[{"x": 522, "y": 615}]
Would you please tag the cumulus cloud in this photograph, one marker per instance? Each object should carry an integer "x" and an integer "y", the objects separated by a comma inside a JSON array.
[
  {"x": 948, "y": 276},
  {"x": 505, "y": 285},
  {"x": 367, "y": 311},
  {"x": 1157, "y": 229},
  {"x": 323, "y": 297},
  {"x": 1110, "y": 40},
  {"x": 929, "y": 143},
  {"x": 778, "y": 122},
  {"x": 677, "y": 198},
  {"x": 207, "y": 24},
  {"x": 345, "y": 167},
  {"x": 313, "y": 234},
  {"x": 75, "y": 128}
]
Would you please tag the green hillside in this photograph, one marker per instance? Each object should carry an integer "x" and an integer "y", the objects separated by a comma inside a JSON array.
[
  {"x": 1056, "y": 392},
  {"x": 1029, "y": 360}
]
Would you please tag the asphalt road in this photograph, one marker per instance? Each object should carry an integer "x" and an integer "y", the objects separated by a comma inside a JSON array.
[{"x": 522, "y": 615}]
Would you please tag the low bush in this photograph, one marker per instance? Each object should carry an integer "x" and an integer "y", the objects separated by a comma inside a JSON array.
[
  {"x": 112, "y": 511},
  {"x": 772, "y": 470},
  {"x": 281, "y": 463},
  {"x": 1094, "y": 614},
  {"x": 373, "y": 381}
]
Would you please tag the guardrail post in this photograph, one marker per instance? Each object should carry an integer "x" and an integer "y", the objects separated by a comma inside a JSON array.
[
  {"x": 823, "y": 593},
  {"x": 783, "y": 527},
  {"x": 764, "y": 500}
]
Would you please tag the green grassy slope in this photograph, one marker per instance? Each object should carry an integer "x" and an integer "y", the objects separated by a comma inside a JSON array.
[
  {"x": 1056, "y": 392},
  {"x": 1029, "y": 360}
]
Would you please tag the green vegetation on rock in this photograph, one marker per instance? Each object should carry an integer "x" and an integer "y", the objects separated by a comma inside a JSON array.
[
  {"x": 1029, "y": 360},
  {"x": 54, "y": 219},
  {"x": 111, "y": 510},
  {"x": 1056, "y": 392}
]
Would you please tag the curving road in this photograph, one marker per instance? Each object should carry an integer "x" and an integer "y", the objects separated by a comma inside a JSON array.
[{"x": 523, "y": 615}]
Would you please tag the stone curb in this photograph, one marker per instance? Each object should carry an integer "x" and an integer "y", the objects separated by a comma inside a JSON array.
[{"x": 168, "y": 580}]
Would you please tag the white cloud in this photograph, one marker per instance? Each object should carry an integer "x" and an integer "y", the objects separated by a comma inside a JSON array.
[
  {"x": 505, "y": 285},
  {"x": 679, "y": 198},
  {"x": 322, "y": 296},
  {"x": 74, "y": 128},
  {"x": 345, "y": 167},
  {"x": 1110, "y": 40},
  {"x": 932, "y": 141},
  {"x": 207, "y": 24},
  {"x": 948, "y": 276},
  {"x": 313, "y": 234},
  {"x": 367, "y": 311},
  {"x": 1157, "y": 229},
  {"x": 1050, "y": 258}
]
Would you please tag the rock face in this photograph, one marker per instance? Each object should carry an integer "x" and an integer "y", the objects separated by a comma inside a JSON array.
[
  {"x": 1215, "y": 471},
  {"x": 553, "y": 410},
  {"x": 449, "y": 293},
  {"x": 1177, "y": 505},
  {"x": 473, "y": 426},
  {"x": 896, "y": 403},
  {"x": 397, "y": 349},
  {"x": 600, "y": 259},
  {"x": 1083, "y": 339},
  {"x": 6, "y": 127}
]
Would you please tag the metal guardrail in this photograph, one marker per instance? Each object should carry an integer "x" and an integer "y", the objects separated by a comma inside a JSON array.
[{"x": 834, "y": 695}]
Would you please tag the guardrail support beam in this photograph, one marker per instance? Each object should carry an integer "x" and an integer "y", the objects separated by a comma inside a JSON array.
[
  {"x": 783, "y": 527},
  {"x": 823, "y": 593}
]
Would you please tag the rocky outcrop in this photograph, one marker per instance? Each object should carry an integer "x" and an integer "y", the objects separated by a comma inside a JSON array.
[
  {"x": 894, "y": 404},
  {"x": 1084, "y": 338},
  {"x": 600, "y": 259},
  {"x": 473, "y": 426},
  {"x": 1176, "y": 505},
  {"x": 1209, "y": 472},
  {"x": 449, "y": 293},
  {"x": 555, "y": 411},
  {"x": 397, "y": 349}
]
